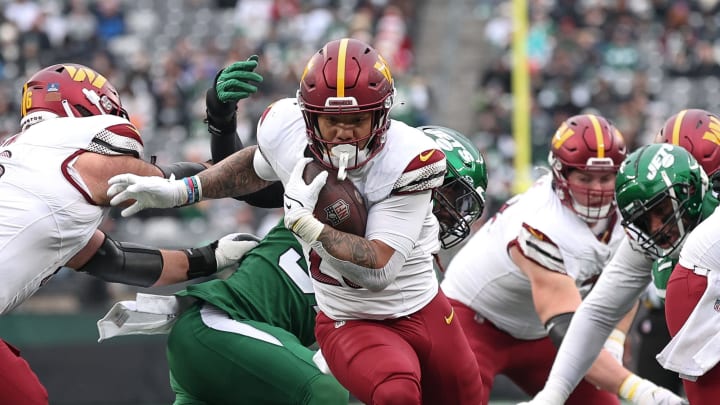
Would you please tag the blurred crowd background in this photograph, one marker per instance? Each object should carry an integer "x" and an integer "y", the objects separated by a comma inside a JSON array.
[{"x": 635, "y": 62}]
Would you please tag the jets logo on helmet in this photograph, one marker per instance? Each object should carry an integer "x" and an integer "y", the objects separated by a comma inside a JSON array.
[
  {"x": 461, "y": 199},
  {"x": 661, "y": 191}
]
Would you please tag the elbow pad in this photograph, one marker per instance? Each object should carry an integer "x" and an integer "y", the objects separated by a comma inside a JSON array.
[
  {"x": 374, "y": 280},
  {"x": 181, "y": 169},
  {"x": 126, "y": 263},
  {"x": 557, "y": 327}
]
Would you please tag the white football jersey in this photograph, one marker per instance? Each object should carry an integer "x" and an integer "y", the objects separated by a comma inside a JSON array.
[
  {"x": 46, "y": 212},
  {"x": 694, "y": 349},
  {"x": 404, "y": 165},
  {"x": 483, "y": 276}
]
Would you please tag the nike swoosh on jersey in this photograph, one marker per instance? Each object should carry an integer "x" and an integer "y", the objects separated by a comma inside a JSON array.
[
  {"x": 449, "y": 318},
  {"x": 425, "y": 156}
]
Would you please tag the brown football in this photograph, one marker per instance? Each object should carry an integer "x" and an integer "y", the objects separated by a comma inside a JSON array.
[{"x": 339, "y": 204}]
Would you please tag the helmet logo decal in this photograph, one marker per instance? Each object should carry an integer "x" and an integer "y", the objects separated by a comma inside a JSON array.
[
  {"x": 663, "y": 159},
  {"x": 383, "y": 68},
  {"x": 80, "y": 75},
  {"x": 598, "y": 135},
  {"x": 676, "y": 127},
  {"x": 307, "y": 68},
  {"x": 713, "y": 135},
  {"x": 561, "y": 135},
  {"x": 26, "y": 103},
  {"x": 342, "y": 53}
]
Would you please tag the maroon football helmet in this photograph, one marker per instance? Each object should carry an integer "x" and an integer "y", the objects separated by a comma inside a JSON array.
[
  {"x": 698, "y": 131},
  {"x": 68, "y": 90},
  {"x": 586, "y": 142},
  {"x": 346, "y": 76}
]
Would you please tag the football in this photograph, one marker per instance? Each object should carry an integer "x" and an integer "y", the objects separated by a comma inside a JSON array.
[{"x": 339, "y": 204}]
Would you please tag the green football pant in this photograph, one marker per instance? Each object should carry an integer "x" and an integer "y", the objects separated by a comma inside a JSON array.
[{"x": 230, "y": 362}]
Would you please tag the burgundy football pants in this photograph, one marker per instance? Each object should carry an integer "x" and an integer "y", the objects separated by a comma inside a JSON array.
[
  {"x": 526, "y": 362},
  {"x": 683, "y": 292},
  {"x": 423, "y": 358},
  {"x": 18, "y": 383}
]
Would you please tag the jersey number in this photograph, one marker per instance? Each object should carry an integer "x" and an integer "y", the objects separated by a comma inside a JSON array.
[{"x": 318, "y": 275}]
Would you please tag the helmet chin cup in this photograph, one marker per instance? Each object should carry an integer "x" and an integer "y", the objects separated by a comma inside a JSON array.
[{"x": 342, "y": 154}]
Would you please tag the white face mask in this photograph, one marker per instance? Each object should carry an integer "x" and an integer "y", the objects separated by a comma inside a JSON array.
[{"x": 340, "y": 155}]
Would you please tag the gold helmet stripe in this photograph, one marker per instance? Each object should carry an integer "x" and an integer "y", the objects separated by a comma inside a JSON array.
[
  {"x": 675, "y": 140},
  {"x": 598, "y": 135},
  {"x": 342, "y": 53}
]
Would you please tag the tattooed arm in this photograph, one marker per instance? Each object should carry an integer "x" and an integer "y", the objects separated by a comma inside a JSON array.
[
  {"x": 233, "y": 176},
  {"x": 373, "y": 261}
]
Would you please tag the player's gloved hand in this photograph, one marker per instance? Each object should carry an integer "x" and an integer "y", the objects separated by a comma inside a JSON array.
[
  {"x": 222, "y": 253},
  {"x": 643, "y": 392},
  {"x": 231, "y": 248},
  {"x": 300, "y": 200},
  {"x": 231, "y": 84},
  {"x": 152, "y": 192},
  {"x": 615, "y": 345}
]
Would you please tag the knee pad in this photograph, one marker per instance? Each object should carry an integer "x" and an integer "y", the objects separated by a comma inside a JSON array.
[{"x": 397, "y": 391}]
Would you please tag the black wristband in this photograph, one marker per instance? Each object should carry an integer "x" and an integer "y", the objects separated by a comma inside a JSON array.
[
  {"x": 557, "y": 327},
  {"x": 181, "y": 169},
  {"x": 201, "y": 261},
  {"x": 221, "y": 117}
]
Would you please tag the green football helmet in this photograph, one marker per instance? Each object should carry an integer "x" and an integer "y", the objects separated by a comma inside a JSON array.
[
  {"x": 461, "y": 199},
  {"x": 660, "y": 190}
]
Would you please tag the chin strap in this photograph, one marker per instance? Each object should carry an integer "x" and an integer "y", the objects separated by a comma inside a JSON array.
[{"x": 342, "y": 164}]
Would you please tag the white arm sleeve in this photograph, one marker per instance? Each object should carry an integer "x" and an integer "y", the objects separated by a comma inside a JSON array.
[
  {"x": 398, "y": 220},
  {"x": 620, "y": 285}
]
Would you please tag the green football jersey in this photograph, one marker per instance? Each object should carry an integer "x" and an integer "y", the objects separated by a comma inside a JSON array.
[{"x": 271, "y": 284}]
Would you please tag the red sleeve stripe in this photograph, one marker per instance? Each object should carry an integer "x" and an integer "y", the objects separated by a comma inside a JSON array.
[{"x": 426, "y": 158}]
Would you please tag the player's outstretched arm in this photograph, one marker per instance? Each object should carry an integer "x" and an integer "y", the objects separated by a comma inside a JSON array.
[
  {"x": 231, "y": 85},
  {"x": 133, "y": 264},
  {"x": 233, "y": 176}
]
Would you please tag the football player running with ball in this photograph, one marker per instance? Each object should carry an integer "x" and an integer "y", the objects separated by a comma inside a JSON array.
[
  {"x": 385, "y": 328},
  {"x": 663, "y": 194}
]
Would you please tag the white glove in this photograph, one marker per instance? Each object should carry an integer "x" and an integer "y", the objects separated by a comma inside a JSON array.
[
  {"x": 546, "y": 397},
  {"x": 231, "y": 248},
  {"x": 300, "y": 200},
  {"x": 152, "y": 192},
  {"x": 615, "y": 345},
  {"x": 643, "y": 392}
]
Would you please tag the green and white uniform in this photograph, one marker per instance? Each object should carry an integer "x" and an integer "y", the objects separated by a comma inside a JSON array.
[{"x": 245, "y": 341}]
